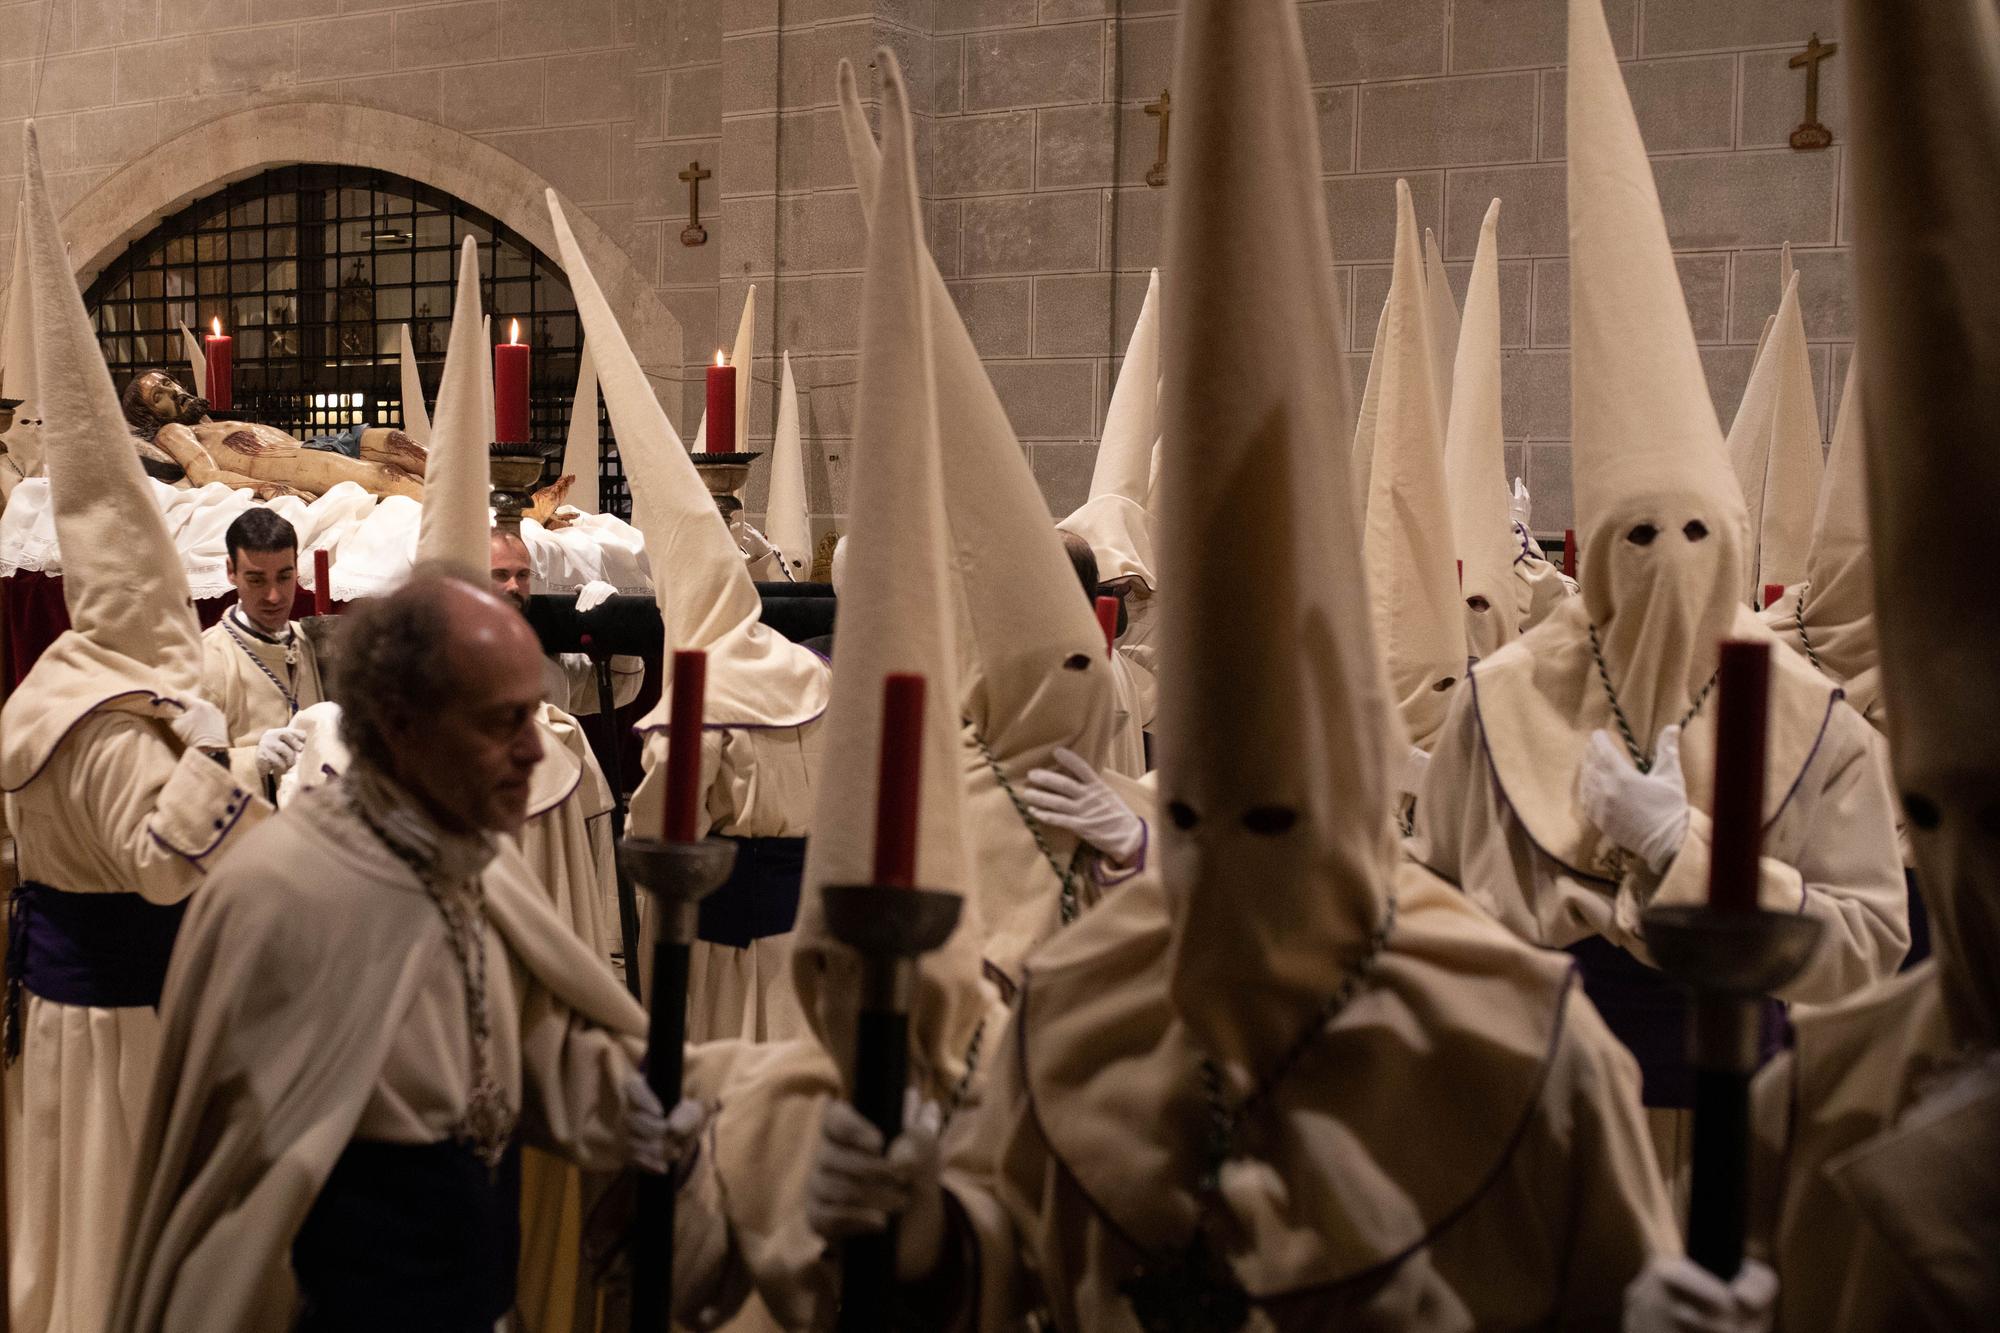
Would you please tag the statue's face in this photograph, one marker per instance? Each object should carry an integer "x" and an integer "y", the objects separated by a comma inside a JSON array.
[{"x": 167, "y": 400}]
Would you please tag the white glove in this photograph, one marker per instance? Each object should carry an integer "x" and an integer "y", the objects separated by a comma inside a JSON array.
[
  {"x": 654, "y": 1140},
  {"x": 1414, "y": 767},
  {"x": 594, "y": 594},
  {"x": 1079, "y": 801},
  {"x": 201, "y": 726},
  {"x": 1519, "y": 506},
  {"x": 1676, "y": 1295},
  {"x": 278, "y": 749},
  {"x": 1645, "y": 813},
  {"x": 754, "y": 544},
  {"x": 854, "y": 1189}
]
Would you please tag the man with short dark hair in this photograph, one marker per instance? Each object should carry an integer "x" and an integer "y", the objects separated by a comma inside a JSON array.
[
  {"x": 255, "y": 664},
  {"x": 372, "y": 1006}
]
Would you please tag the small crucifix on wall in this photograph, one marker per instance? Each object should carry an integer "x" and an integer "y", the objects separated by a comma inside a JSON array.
[
  {"x": 694, "y": 233},
  {"x": 1156, "y": 175},
  {"x": 1811, "y": 134}
]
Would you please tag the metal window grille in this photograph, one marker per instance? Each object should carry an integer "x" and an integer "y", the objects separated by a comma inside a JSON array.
[{"x": 312, "y": 269}]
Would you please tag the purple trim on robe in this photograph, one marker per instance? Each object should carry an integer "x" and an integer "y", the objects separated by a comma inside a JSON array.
[
  {"x": 239, "y": 806},
  {"x": 152, "y": 698}
]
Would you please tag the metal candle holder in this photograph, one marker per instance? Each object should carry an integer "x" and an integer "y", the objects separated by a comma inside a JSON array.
[
  {"x": 724, "y": 474},
  {"x": 1731, "y": 960},
  {"x": 516, "y": 469},
  {"x": 678, "y": 875},
  {"x": 890, "y": 928}
]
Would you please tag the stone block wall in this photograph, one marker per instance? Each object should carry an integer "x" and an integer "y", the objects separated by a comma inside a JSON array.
[{"x": 1034, "y": 147}]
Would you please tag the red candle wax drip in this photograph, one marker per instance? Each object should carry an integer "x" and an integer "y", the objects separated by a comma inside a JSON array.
[
  {"x": 322, "y": 582},
  {"x": 721, "y": 408},
  {"x": 684, "y": 745},
  {"x": 510, "y": 389},
  {"x": 1107, "y": 620},
  {"x": 1742, "y": 697},
  {"x": 899, "y": 780},
  {"x": 220, "y": 350}
]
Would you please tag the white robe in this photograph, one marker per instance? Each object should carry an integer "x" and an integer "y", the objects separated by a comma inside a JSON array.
[
  {"x": 233, "y": 666},
  {"x": 569, "y": 681},
  {"x": 120, "y": 807},
  {"x": 1136, "y": 698}
]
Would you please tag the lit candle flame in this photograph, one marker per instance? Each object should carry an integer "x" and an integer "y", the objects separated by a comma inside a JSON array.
[
  {"x": 719, "y": 358},
  {"x": 215, "y": 322},
  {"x": 513, "y": 330}
]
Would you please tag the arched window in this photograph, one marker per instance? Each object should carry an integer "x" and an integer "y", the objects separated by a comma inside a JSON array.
[{"x": 313, "y": 269}]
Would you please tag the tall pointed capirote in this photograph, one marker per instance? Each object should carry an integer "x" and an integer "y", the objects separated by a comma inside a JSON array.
[
  {"x": 1774, "y": 447},
  {"x": 1115, "y": 519},
  {"x": 197, "y": 360},
  {"x": 787, "y": 521},
  {"x": 457, "y": 523},
  {"x": 1444, "y": 321},
  {"x": 1275, "y": 721},
  {"x": 1411, "y": 556},
  {"x": 1475, "y": 461},
  {"x": 1361, "y": 464},
  {"x": 1926, "y": 160},
  {"x": 416, "y": 417},
  {"x": 18, "y": 379},
  {"x": 896, "y": 616},
  {"x": 580, "y": 448}
]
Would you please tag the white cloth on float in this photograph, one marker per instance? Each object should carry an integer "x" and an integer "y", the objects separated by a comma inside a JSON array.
[{"x": 373, "y": 541}]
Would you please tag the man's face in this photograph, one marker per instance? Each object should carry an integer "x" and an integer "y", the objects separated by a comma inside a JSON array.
[
  {"x": 472, "y": 758},
  {"x": 265, "y": 582},
  {"x": 168, "y": 401},
  {"x": 513, "y": 571}
]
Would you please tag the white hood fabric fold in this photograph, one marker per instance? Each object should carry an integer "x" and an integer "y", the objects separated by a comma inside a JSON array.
[
  {"x": 457, "y": 520},
  {"x": 416, "y": 418},
  {"x": 1444, "y": 321},
  {"x": 1411, "y": 557},
  {"x": 18, "y": 377},
  {"x": 1366, "y": 421},
  {"x": 756, "y": 677},
  {"x": 580, "y": 448},
  {"x": 1475, "y": 461},
  {"x": 133, "y": 641},
  {"x": 1115, "y": 519},
  {"x": 787, "y": 521},
  {"x": 1774, "y": 446},
  {"x": 896, "y": 617}
]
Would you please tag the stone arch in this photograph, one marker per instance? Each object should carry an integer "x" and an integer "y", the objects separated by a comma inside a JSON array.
[{"x": 202, "y": 159}]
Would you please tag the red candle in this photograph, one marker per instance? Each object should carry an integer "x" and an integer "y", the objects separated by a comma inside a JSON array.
[
  {"x": 322, "y": 582},
  {"x": 1772, "y": 592},
  {"x": 899, "y": 780},
  {"x": 221, "y": 387},
  {"x": 1742, "y": 695},
  {"x": 1461, "y": 576},
  {"x": 1107, "y": 620},
  {"x": 721, "y": 407},
  {"x": 510, "y": 388},
  {"x": 1569, "y": 552},
  {"x": 684, "y": 745}
]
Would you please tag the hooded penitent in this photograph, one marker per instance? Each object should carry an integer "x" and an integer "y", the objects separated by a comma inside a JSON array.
[
  {"x": 1927, "y": 157},
  {"x": 17, "y": 360},
  {"x": 580, "y": 449},
  {"x": 1475, "y": 462},
  {"x": 1411, "y": 558},
  {"x": 786, "y": 520},
  {"x": 1774, "y": 446},
  {"x": 416, "y": 419},
  {"x": 133, "y": 642},
  {"x": 896, "y": 616},
  {"x": 1115, "y": 519},
  {"x": 1831, "y": 616},
  {"x": 756, "y": 677},
  {"x": 1033, "y": 670},
  {"x": 1443, "y": 312},
  {"x": 1666, "y": 541},
  {"x": 457, "y": 514}
]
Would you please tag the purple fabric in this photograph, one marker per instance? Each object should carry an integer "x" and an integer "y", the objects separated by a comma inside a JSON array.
[{"x": 95, "y": 950}]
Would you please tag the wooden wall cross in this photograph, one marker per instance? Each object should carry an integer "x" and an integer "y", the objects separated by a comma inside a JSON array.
[
  {"x": 1156, "y": 175},
  {"x": 694, "y": 233},
  {"x": 1810, "y": 133}
]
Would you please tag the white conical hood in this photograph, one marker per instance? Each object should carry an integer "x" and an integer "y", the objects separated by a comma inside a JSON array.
[
  {"x": 457, "y": 523},
  {"x": 756, "y": 677},
  {"x": 416, "y": 418},
  {"x": 1275, "y": 723},
  {"x": 1926, "y": 158},
  {"x": 895, "y": 616},
  {"x": 787, "y": 521},
  {"x": 1839, "y": 598},
  {"x": 1647, "y": 454},
  {"x": 1774, "y": 447},
  {"x": 862, "y": 154},
  {"x": 18, "y": 378},
  {"x": 132, "y": 624},
  {"x": 1411, "y": 557},
  {"x": 580, "y": 450},
  {"x": 197, "y": 360},
  {"x": 1475, "y": 460},
  {"x": 1114, "y": 520},
  {"x": 1361, "y": 466},
  {"x": 1444, "y": 321}
]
